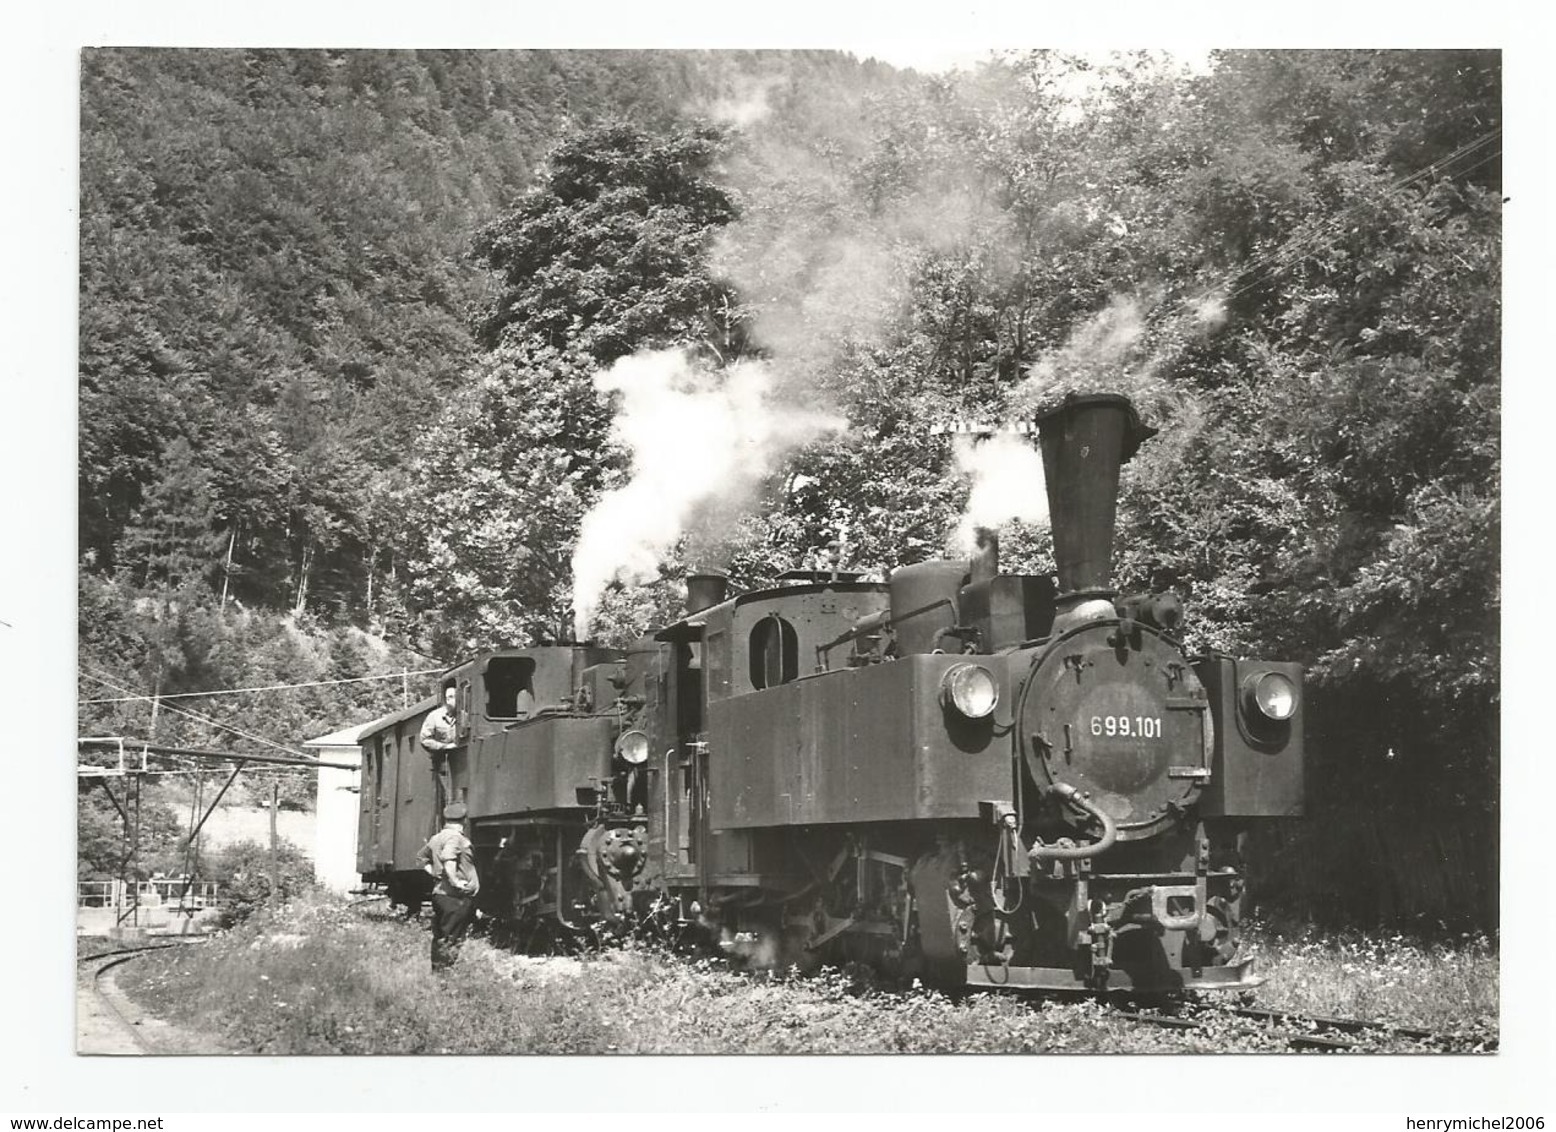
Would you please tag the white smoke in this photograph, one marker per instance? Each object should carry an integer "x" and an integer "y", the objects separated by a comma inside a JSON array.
[
  {"x": 1210, "y": 313},
  {"x": 748, "y": 104},
  {"x": 1100, "y": 355},
  {"x": 1117, "y": 350},
  {"x": 694, "y": 435},
  {"x": 1006, "y": 471}
]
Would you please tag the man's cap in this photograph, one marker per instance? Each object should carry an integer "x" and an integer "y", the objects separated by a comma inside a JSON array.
[{"x": 454, "y": 811}]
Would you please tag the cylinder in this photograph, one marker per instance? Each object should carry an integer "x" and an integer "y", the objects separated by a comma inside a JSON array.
[
  {"x": 1086, "y": 440},
  {"x": 704, "y": 590}
]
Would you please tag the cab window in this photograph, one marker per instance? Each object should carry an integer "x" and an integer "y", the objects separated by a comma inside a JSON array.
[
  {"x": 775, "y": 652},
  {"x": 510, "y": 687}
]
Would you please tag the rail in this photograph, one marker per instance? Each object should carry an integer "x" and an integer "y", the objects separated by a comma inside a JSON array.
[
  {"x": 1309, "y": 1031},
  {"x": 101, "y": 980}
]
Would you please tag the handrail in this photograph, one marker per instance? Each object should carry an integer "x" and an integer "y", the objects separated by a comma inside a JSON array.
[{"x": 874, "y": 621}]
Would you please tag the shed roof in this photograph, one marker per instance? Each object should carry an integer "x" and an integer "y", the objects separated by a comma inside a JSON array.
[{"x": 351, "y": 736}]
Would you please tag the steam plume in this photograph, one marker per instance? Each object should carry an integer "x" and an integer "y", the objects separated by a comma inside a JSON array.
[
  {"x": 1101, "y": 355},
  {"x": 694, "y": 436},
  {"x": 1006, "y": 471},
  {"x": 824, "y": 264},
  {"x": 748, "y": 103},
  {"x": 1116, "y": 351}
]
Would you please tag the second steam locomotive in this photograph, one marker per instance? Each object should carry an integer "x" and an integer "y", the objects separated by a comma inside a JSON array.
[{"x": 988, "y": 779}]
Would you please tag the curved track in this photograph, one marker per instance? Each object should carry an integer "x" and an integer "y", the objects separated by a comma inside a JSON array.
[{"x": 104, "y": 1025}]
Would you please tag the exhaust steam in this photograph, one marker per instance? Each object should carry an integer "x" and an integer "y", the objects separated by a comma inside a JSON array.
[
  {"x": 1006, "y": 471},
  {"x": 696, "y": 437}
]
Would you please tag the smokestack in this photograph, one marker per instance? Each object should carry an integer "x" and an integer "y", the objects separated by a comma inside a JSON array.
[
  {"x": 703, "y": 591},
  {"x": 1086, "y": 440}
]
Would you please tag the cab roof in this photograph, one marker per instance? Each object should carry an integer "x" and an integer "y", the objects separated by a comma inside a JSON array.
[{"x": 687, "y": 626}]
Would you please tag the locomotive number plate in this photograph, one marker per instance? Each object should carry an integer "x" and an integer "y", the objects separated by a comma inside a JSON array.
[{"x": 1127, "y": 726}]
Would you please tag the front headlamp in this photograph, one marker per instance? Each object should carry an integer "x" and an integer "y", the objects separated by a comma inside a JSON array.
[
  {"x": 970, "y": 689},
  {"x": 1272, "y": 695},
  {"x": 632, "y": 748}
]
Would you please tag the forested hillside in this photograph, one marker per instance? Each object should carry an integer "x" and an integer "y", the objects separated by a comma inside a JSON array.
[
  {"x": 399, "y": 342},
  {"x": 276, "y": 295}
]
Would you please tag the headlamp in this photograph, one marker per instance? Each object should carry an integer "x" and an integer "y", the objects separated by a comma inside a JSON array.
[
  {"x": 1272, "y": 695},
  {"x": 970, "y": 689},
  {"x": 632, "y": 748}
]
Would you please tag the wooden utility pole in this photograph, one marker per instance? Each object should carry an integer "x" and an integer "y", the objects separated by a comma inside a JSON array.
[
  {"x": 232, "y": 542},
  {"x": 156, "y": 705},
  {"x": 134, "y": 878},
  {"x": 275, "y": 849}
]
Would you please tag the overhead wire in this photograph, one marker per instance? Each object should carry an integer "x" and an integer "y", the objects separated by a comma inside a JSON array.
[
  {"x": 202, "y": 718},
  {"x": 1296, "y": 247},
  {"x": 1292, "y": 252},
  {"x": 185, "y": 764},
  {"x": 1324, "y": 228},
  {"x": 261, "y": 688}
]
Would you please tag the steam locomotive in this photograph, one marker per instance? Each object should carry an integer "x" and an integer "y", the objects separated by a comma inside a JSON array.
[{"x": 986, "y": 779}]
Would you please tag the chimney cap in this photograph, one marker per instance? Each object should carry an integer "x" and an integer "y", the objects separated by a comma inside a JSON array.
[
  {"x": 705, "y": 588},
  {"x": 1136, "y": 434}
]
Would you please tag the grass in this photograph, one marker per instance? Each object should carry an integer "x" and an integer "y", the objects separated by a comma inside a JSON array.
[
  {"x": 1447, "y": 987},
  {"x": 318, "y": 977},
  {"x": 88, "y": 946}
]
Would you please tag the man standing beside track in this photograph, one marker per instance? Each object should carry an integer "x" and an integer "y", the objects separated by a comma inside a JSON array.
[{"x": 450, "y": 857}]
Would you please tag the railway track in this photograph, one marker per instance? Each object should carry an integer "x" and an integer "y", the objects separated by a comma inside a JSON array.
[
  {"x": 107, "y": 1004},
  {"x": 1312, "y": 1032},
  {"x": 1275, "y": 1029}
]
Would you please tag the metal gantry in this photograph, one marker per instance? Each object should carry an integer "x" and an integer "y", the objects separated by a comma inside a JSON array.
[{"x": 133, "y": 766}]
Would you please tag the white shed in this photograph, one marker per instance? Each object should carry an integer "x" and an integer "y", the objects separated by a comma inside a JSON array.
[{"x": 338, "y": 807}]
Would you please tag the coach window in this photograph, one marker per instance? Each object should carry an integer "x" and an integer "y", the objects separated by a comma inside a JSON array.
[
  {"x": 775, "y": 652},
  {"x": 510, "y": 687}
]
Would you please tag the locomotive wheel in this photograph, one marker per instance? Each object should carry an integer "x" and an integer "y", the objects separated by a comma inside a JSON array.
[{"x": 799, "y": 934}]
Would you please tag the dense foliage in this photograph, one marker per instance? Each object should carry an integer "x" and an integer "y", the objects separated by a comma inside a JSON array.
[
  {"x": 103, "y": 844},
  {"x": 310, "y": 680},
  {"x": 342, "y": 314}
]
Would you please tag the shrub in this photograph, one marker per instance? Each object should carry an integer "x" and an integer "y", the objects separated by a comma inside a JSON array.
[{"x": 244, "y": 871}]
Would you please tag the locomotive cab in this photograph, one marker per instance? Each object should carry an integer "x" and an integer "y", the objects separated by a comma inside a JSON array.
[
  {"x": 541, "y": 732},
  {"x": 506, "y": 688}
]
